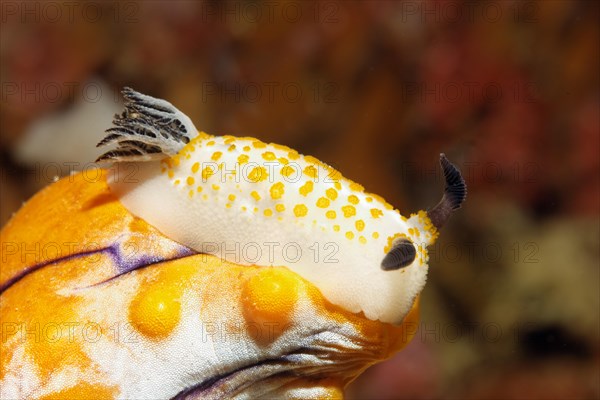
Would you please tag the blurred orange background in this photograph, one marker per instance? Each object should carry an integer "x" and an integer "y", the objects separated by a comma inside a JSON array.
[{"x": 508, "y": 90}]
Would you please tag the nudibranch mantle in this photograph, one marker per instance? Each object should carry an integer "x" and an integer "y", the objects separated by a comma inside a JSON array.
[{"x": 253, "y": 203}]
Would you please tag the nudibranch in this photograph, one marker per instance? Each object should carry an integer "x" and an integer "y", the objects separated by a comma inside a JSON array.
[{"x": 202, "y": 266}]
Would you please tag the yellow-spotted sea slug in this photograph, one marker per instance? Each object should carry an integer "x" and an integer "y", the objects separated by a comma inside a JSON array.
[{"x": 201, "y": 266}]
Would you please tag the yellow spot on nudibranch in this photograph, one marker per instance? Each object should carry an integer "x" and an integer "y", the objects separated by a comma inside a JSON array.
[
  {"x": 349, "y": 211},
  {"x": 246, "y": 148},
  {"x": 177, "y": 182},
  {"x": 277, "y": 190},
  {"x": 268, "y": 212},
  {"x": 362, "y": 240},
  {"x": 258, "y": 144},
  {"x": 323, "y": 202},
  {"x": 171, "y": 174},
  {"x": 231, "y": 197},
  {"x": 287, "y": 170},
  {"x": 376, "y": 212},
  {"x": 243, "y": 158},
  {"x": 311, "y": 171},
  {"x": 268, "y": 156},
  {"x": 331, "y": 193},
  {"x": 349, "y": 235},
  {"x": 231, "y": 148},
  {"x": 216, "y": 187},
  {"x": 306, "y": 188},
  {"x": 360, "y": 225},
  {"x": 300, "y": 210},
  {"x": 375, "y": 235},
  {"x": 207, "y": 172},
  {"x": 279, "y": 207},
  {"x": 382, "y": 200},
  {"x": 255, "y": 195},
  {"x": 190, "y": 180},
  {"x": 357, "y": 187},
  {"x": 258, "y": 174},
  {"x": 196, "y": 167},
  {"x": 336, "y": 228},
  {"x": 353, "y": 199},
  {"x": 216, "y": 155},
  {"x": 330, "y": 214}
]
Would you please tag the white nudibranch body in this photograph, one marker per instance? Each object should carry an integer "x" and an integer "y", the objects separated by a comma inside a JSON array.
[{"x": 249, "y": 202}]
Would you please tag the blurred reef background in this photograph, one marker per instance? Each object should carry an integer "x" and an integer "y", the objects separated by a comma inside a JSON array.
[{"x": 508, "y": 90}]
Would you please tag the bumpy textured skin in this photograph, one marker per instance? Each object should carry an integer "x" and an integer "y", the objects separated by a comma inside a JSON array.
[{"x": 97, "y": 303}]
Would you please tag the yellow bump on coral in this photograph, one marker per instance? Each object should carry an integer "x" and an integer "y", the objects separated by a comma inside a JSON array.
[
  {"x": 269, "y": 298},
  {"x": 155, "y": 311}
]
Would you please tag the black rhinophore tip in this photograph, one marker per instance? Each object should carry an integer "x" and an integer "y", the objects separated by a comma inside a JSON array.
[{"x": 455, "y": 194}]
